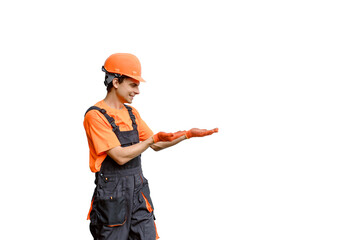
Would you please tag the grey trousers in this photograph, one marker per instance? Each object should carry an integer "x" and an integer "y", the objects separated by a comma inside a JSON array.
[{"x": 122, "y": 208}]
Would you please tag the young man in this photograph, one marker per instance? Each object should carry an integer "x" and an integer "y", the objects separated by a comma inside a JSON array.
[{"x": 121, "y": 206}]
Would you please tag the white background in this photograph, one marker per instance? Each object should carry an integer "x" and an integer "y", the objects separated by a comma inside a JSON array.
[{"x": 279, "y": 78}]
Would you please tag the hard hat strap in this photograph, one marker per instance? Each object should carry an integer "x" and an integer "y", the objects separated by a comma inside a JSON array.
[{"x": 109, "y": 76}]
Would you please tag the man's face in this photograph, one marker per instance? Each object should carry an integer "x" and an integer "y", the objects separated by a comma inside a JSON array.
[{"x": 127, "y": 90}]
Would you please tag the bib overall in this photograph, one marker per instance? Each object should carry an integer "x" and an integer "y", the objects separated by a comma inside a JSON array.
[{"x": 121, "y": 206}]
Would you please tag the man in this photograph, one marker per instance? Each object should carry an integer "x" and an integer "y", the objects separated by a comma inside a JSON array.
[{"x": 121, "y": 206}]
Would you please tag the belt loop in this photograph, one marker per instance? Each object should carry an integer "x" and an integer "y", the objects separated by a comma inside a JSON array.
[{"x": 123, "y": 184}]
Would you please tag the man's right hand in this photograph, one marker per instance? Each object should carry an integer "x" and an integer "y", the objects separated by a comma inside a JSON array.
[{"x": 196, "y": 132}]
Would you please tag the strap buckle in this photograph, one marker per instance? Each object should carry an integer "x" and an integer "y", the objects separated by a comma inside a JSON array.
[{"x": 114, "y": 126}]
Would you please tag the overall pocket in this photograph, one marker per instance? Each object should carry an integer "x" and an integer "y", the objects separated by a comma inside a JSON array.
[
  {"x": 111, "y": 203},
  {"x": 112, "y": 210}
]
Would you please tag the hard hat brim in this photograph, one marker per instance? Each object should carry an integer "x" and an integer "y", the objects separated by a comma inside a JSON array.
[{"x": 140, "y": 79}]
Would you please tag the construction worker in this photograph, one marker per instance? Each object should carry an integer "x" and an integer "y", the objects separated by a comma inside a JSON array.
[{"x": 121, "y": 206}]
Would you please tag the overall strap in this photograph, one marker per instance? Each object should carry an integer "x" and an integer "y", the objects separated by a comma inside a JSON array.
[
  {"x": 132, "y": 116},
  {"x": 111, "y": 120}
]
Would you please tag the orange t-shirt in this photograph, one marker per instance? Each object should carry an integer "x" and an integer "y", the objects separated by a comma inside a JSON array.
[{"x": 100, "y": 135}]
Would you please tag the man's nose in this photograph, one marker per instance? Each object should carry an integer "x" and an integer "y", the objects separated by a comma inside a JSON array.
[{"x": 137, "y": 90}]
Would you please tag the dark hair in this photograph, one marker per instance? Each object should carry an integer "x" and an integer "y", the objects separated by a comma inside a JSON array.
[{"x": 110, "y": 85}]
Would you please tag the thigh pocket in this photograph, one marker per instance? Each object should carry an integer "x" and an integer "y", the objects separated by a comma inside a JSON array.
[
  {"x": 112, "y": 210},
  {"x": 111, "y": 206}
]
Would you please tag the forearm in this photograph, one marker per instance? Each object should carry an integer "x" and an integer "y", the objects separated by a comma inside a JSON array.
[
  {"x": 122, "y": 155},
  {"x": 162, "y": 145}
]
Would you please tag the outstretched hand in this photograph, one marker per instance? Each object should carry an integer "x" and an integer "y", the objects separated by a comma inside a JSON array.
[{"x": 196, "y": 132}]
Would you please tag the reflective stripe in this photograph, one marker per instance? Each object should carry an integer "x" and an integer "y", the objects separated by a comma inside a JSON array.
[
  {"x": 148, "y": 205},
  {"x": 88, "y": 216},
  {"x": 157, "y": 235}
]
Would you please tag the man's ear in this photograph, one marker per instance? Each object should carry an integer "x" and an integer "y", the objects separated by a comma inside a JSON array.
[{"x": 115, "y": 83}]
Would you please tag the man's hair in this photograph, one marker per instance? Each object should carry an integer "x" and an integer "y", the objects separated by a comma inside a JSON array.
[{"x": 110, "y": 85}]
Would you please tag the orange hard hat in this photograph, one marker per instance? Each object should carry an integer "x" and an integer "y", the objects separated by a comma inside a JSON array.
[{"x": 123, "y": 64}]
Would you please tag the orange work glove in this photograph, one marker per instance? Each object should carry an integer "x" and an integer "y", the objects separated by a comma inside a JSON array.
[
  {"x": 196, "y": 132},
  {"x": 179, "y": 134},
  {"x": 164, "y": 137}
]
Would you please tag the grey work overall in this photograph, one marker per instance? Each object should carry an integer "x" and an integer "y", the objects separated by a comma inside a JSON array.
[{"x": 120, "y": 206}]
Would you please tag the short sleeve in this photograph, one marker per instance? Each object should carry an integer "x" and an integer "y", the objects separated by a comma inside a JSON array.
[{"x": 100, "y": 136}]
